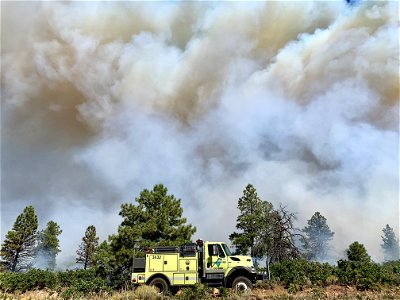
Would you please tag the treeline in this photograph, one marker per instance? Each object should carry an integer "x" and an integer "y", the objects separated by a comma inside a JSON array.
[
  {"x": 268, "y": 232},
  {"x": 295, "y": 255},
  {"x": 156, "y": 218}
]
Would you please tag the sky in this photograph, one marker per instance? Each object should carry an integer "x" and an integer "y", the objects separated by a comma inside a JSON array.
[{"x": 100, "y": 100}]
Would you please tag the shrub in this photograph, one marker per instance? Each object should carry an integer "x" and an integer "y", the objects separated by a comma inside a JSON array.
[
  {"x": 146, "y": 292},
  {"x": 293, "y": 288},
  {"x": 290, "y": 272},
  {"x": 363, "y": 275},
  {"x": 391, "y": 273},
  {"x": 72, "y": 282},
  {"x": 358, "y": 253},
  {"x": 301, "y": 273},
  {"x": 33, "y": 279},
  {"x": 71, "y": 293},
  {"x": 197, "y": 291},
  {"x": 331, "y": 279},
  {"x": 70, "y": 277}
]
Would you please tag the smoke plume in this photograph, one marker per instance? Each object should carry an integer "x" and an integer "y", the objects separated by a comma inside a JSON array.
[{"x": 103, "y": 99}]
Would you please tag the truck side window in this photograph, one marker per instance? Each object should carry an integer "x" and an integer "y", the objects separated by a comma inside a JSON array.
[
  {"x": 215, "y": 250},
  {"x": 211, "y": 248},
  {"x": 221, "y": 252}
]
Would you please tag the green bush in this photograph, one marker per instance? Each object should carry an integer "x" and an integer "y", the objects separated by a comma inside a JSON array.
[
  {"x": 331, "y": 279},
  {"x": 33, "y": 279},
  {"x": 70, "y": 277},
  {"x": 391, "y": 273},
  {"x": 363, "y": 275},
  {"x": 290, "y": 272},
  {"x": 320, "y": 273},
  {"x": 70, "y": 293},
  {"x": 269, "y": 284},
  {"x": 70, "y": 282},
  {"x": 197, "y": 291},
  {"x": 298, "y": 273}
]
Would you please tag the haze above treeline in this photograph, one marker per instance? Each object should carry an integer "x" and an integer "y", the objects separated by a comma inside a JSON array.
[{"x": 101, "y": 100}]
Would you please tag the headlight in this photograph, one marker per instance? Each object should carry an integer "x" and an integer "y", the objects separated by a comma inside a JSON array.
[{"x": 252, "y": 269}]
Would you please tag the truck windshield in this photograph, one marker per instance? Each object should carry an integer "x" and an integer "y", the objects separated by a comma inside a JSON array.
[{"x": 226, "y": 249}]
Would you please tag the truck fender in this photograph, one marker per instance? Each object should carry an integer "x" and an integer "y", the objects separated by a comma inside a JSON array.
[
  {"x": 158, "y": 275},
  {"x": 236, "y": 272}
]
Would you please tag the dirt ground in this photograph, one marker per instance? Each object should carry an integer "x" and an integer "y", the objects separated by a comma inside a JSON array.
[
  {"x": 330, "y": 292},
  {"x": 276, "y": 293}
]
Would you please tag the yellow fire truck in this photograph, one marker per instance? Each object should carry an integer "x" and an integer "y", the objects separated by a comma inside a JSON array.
[{"x": 210, "y": 263}]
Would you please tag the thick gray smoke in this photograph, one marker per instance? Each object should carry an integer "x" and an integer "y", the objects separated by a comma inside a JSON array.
[{"x": 103, "y": 99}]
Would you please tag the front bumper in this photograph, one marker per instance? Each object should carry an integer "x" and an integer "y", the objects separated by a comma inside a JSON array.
[{"x": 262, "y": 276}]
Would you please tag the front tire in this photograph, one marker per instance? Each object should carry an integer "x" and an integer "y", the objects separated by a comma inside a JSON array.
[
  {"x": 160, "y": 285},
  {"x": 242, "y": 284}
]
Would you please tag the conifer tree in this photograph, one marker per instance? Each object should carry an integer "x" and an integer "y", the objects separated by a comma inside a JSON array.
[
  {"x": 48, "y": 246},
  {"x": 249, "y": 221},
  {"x": 18, "y": 249},
  {"x": 317, "y": 237},
  {"x": 88, "y": 248},
  {"x": 264, "y": 230},
  {"x": 358, "y": 253},
  {"x": 155, "y": 219},
  {"x": 390, "y": 244}
]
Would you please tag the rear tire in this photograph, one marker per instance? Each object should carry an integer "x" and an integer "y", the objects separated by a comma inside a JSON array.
[
  {"x": 242, "y": 284},
  {"x": 160, "y": 285}
]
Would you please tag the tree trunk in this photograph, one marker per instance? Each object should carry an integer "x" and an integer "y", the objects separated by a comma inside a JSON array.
[{"x": 15, "y": 262}]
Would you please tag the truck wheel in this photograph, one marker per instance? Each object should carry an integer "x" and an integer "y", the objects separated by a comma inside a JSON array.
[
  {"x": 242, "y": 284},
  {"x": 160, "y": 284}
]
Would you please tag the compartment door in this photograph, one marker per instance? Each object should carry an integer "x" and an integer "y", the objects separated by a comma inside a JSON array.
[
  {"x": 155, "y": 262},
  {"x": 170, "y": 262},
  {"x": 190, "y": 278},
  {"x": 179, "y": 279}
]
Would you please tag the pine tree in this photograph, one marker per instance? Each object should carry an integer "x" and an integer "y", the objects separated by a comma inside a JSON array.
[
  {"x": 48, "y": 246},
  {"x": 249, "y": 221},
  {"x": 88, "y": 248},
  {"x": 155, "y": 219},
  {"x": 18, "y": 248},
  {"x": 358, "y": 253},
  {"x": 390, "y": 244},
  {"x": 265, "y": 231},
  {"x": 250, "y": 206},
  {"x": 317, "y": 237}
]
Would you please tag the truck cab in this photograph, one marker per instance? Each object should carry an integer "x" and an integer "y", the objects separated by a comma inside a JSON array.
[{"x": 206, "y": 262}]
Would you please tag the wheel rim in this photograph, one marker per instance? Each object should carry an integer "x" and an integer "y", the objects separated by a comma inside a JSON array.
[
  {"x": 241, "y": 287},
  {"x": 159, "y": 287}
]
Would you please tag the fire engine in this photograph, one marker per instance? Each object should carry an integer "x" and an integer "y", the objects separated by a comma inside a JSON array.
[{"x": 209, "y": 263}]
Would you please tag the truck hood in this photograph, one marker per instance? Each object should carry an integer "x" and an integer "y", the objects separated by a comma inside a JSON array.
[
  {"x": 241, "y": 258},
  {"x": 241, "y": 261}
]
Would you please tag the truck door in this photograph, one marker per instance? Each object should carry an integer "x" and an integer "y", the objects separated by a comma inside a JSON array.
[{"x": 217, "y": 259}]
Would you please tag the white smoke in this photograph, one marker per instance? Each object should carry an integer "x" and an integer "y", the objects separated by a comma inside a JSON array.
[{"x": 103, "y": 99}]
